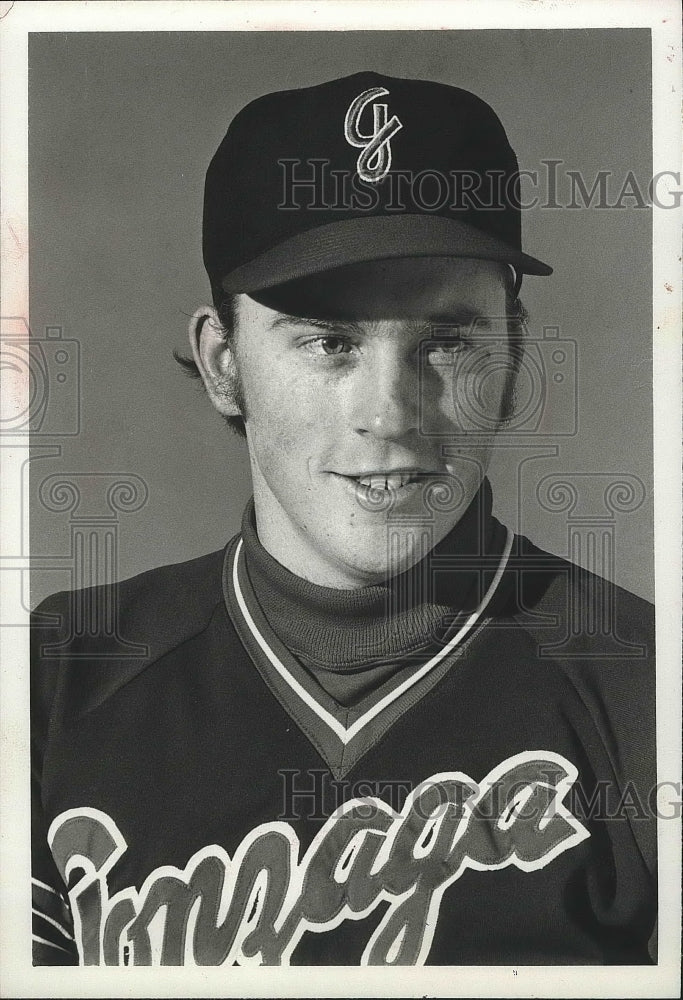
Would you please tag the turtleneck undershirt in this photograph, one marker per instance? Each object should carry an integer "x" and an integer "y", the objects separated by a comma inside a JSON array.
[{"x": 352, "y": 641}]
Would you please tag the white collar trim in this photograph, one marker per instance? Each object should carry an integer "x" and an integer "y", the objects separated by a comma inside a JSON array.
[{"x": 347, "y": 734}]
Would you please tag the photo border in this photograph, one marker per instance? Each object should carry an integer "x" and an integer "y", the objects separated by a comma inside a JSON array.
[{"x": 17, "y": 976}]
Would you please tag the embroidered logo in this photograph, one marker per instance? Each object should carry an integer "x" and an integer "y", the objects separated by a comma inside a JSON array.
[
  {"x": 254, "y": 907},
  {"x": 375, "y": 159}
]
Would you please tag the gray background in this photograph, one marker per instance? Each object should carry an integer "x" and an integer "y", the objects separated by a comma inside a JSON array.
[{"x": 121, "y": 129}]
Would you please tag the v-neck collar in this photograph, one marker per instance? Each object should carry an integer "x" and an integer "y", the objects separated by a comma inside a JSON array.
[
  {"x": 342, "y": 735},
  {"x": 367, "y": 631}
]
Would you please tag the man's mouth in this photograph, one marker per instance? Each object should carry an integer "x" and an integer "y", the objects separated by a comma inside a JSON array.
[
  {"x": 379, "y": 491},
  {"x": 386, "y": 480},
  {"x": 383, "y": 481}
]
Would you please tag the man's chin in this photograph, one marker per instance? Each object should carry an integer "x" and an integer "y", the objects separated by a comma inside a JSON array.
[{"x": 400, "y": 551}]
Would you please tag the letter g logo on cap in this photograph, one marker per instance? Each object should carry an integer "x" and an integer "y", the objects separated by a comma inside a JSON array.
[{"x": 374, "y": 162}]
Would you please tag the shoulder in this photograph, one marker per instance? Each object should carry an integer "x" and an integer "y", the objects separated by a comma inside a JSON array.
[
  {"x": 589, "y": 624},
  {"x": 598, "y": 635},
  {"x": 599, "y": 617},
  {"x": 602, "y": 640},
  {"x": 158, "y": 606},
  {"x": 85, "y": 644}
]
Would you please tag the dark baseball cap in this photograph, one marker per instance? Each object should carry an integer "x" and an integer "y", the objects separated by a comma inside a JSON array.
[{"x": 367, "y": 167}]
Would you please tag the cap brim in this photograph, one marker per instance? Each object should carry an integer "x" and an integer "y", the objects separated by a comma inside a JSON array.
[{"x": 353, "y": 241}]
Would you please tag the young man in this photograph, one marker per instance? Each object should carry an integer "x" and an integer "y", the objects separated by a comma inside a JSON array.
[{"x": 378, "y": 727}]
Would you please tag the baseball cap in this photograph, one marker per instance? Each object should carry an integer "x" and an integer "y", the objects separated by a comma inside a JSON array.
[{"x": 367, "y": 167}]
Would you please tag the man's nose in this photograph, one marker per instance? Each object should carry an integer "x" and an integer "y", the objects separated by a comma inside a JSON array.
[{"x": 386, "y": 396}]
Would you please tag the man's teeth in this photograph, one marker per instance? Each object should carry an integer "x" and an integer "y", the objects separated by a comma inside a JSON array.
[{"x": 392, "y": 482}]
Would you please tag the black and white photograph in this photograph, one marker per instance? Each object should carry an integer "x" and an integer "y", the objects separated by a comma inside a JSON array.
[{"x": 341, "y": 499}]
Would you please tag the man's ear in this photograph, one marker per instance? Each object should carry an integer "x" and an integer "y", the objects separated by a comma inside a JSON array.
[{"x": 215, "y": 360}]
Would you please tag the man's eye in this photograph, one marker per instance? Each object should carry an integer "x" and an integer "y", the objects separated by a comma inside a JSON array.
[
  {"x": 333, "y": 345},
  {"x": 445, "y": 350}
]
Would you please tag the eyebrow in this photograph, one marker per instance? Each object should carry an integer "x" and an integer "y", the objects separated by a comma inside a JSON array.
[
  {"x": 283, "y": 320},
  {"x": 460, "y": 315}
]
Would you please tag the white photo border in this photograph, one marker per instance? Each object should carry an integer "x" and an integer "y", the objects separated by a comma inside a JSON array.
[{"x": 17, "y": 976}]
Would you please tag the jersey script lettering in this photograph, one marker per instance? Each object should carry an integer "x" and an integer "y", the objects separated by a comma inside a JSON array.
[{"x": 253, "y": 908}]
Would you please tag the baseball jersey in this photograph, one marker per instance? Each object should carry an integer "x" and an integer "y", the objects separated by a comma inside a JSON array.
[{"x": 200, "y": 797}]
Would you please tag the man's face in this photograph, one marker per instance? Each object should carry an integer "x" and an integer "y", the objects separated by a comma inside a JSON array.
[{"x": 369, "y": 433}]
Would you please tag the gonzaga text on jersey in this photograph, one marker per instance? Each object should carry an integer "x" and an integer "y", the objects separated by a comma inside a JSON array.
[{"x": 253, "y": 908}]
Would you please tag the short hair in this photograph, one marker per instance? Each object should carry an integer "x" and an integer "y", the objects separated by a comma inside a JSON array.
[{"x": 226, "y": 310}]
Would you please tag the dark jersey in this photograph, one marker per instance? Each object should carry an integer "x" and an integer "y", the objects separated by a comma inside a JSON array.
[{"x": 199, "y": 799}]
